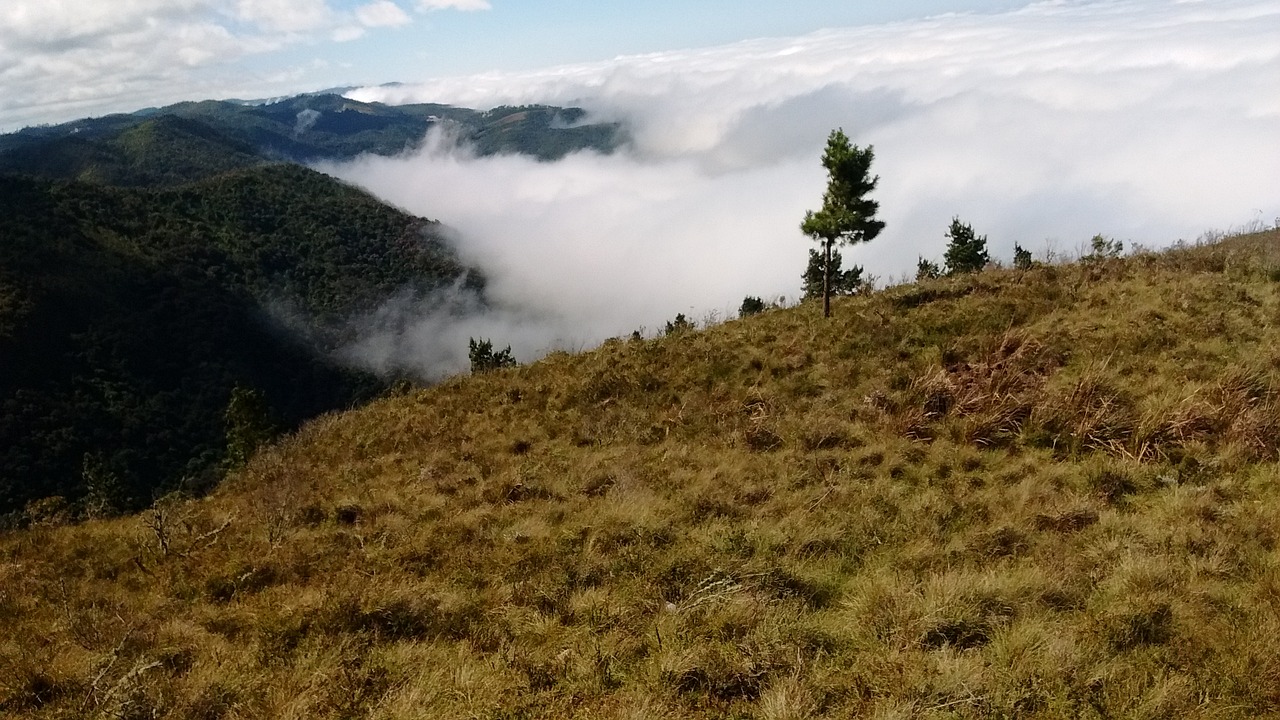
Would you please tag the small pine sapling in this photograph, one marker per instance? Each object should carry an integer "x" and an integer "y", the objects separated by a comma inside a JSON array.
[
  {"x": 967, "y": 251},
  {"x": 1104, "y": 248},
  {"x": 679, "y": 325},
  {"x": 927, "y": 270},
  {"x": 484, "y": 359},
  {"x": 1022, "y": 257},
  {"x": 751, "y": 305}
]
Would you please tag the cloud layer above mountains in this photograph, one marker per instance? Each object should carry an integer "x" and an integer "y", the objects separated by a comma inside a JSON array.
[{"x": 1144, "y": 120}]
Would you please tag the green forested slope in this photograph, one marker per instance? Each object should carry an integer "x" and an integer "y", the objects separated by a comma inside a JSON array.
[
  {"x": 127, "y": 317},
  {"x": 281, "y": 232}
]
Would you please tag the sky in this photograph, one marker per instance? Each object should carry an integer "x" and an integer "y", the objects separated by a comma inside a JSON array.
[
  {"x": 1041, "y": 124},
  {"x": 65, "y": 59}
]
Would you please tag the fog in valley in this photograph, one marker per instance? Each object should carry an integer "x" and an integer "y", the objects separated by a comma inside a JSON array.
[{"x": 1148, "y": 122}]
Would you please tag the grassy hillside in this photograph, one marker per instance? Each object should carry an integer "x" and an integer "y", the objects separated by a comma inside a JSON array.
[
  {"x": 1044, "y": 493},
  {"x": 128, "y": 317}
]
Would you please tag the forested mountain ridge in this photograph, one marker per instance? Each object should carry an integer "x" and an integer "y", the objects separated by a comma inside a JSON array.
[
  {"x": 128, "y": 317},
  {"x": 194, "y": 140},
  {"x": 146, "y": 261}
]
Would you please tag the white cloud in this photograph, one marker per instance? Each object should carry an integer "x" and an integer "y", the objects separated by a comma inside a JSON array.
[
  {"x": 594, "y": 246},
  {"x": 1147, "y": 120},
  {"x": 61, "y": 59},
  {"x": 26, "y": 24},
  {"x": 382, "y": 13},
  {"x": 286, "y": 15},
  {"x": 69, "y": 57},
  {"x": 463, "y": 5},
  {"x": 347, "y": 33}
]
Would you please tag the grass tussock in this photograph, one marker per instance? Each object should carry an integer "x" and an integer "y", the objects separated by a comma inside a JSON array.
[{"x": 1043, "y": 493}]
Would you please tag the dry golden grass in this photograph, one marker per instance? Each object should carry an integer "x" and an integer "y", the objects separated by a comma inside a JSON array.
[{"x": 1044, "y": 493}]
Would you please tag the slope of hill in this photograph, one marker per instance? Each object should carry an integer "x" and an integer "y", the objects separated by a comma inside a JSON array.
[
  {"x": 196, "y": 140},
  {"x": 1045, "y": 493},
  {"x": 128, "y": 317}
]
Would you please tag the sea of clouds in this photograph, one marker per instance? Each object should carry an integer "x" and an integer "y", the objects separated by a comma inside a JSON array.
[{"x": 1143, "y": 120}]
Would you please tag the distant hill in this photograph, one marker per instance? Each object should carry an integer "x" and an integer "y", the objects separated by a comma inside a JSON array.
[
  {"x": 195, "y": 140},
  {"x": 127, "y": 317},
  {"x": 1039, "y": 493}
]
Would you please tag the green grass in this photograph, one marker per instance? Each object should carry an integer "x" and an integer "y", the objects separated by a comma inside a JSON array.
[{"x": 1043, "y": 493}]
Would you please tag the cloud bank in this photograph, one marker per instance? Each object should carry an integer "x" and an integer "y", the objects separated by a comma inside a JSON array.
[
  {"x": 1144, "y": 120},
  {"x": 464, "y": 5},
  {"x": 69, "y": 58},
  {"x": 582, "y": 249}
]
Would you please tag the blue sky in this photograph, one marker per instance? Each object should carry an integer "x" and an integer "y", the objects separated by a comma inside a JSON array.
[
  {"x": 526, "y": 34},
  {"x": 63, "y": 59}
]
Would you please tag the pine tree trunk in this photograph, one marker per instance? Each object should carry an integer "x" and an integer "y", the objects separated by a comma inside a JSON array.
[{"x": 826, "y": 280}]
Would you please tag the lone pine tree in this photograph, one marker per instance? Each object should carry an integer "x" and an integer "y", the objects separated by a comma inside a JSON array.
[{"x": 847, "y": 216}]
